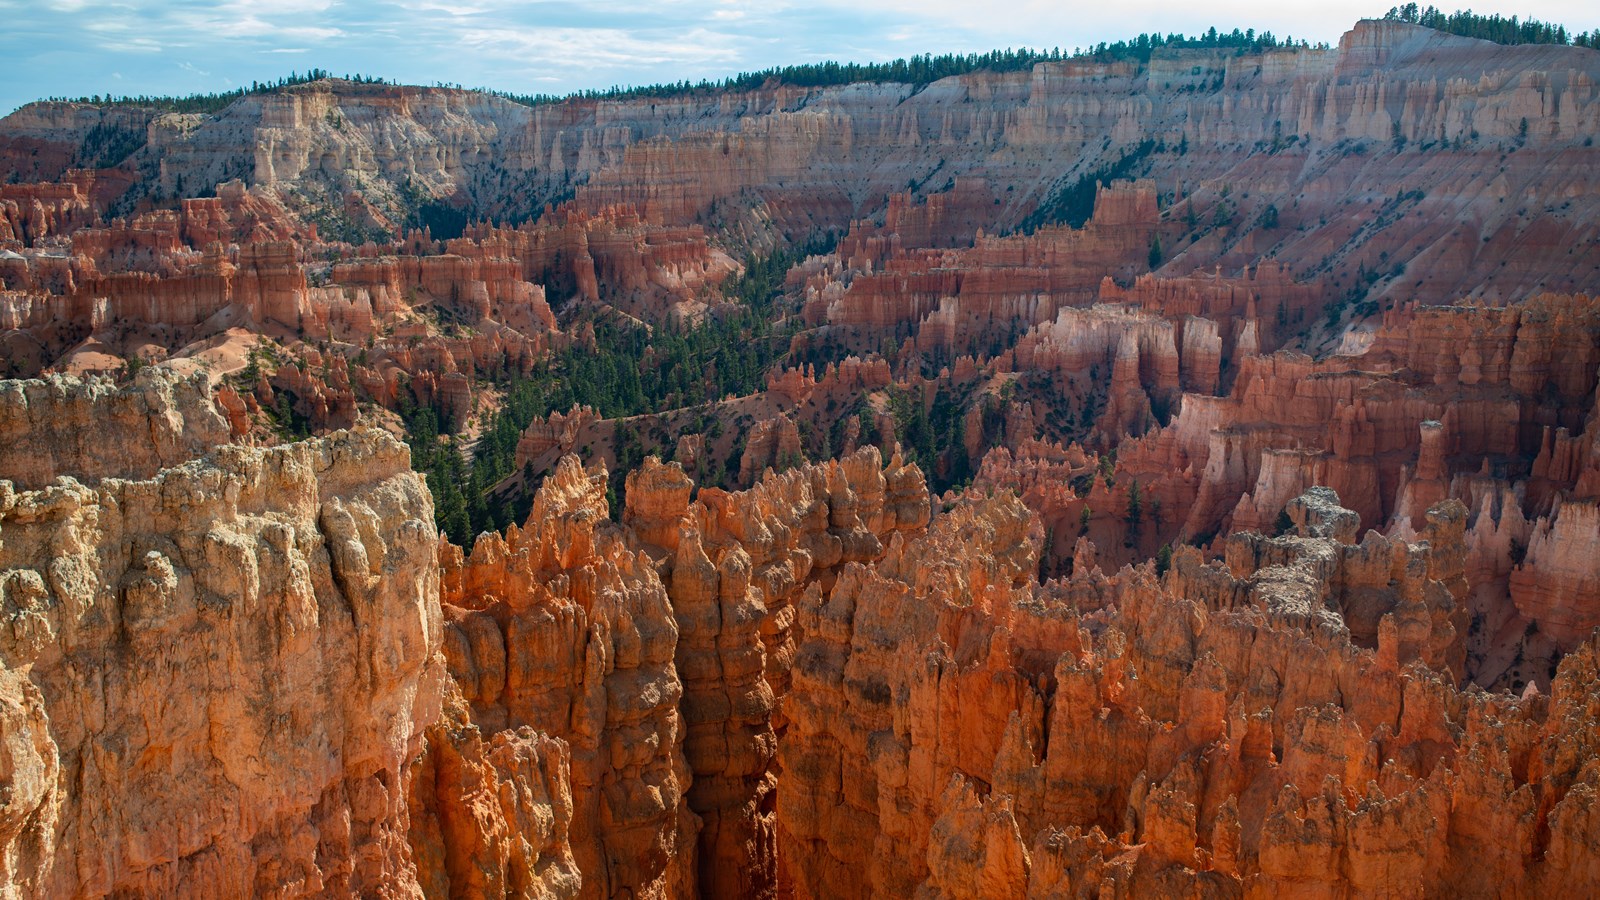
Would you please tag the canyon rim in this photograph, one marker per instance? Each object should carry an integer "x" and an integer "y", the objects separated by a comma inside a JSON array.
[{"x": 1166, "y": 469}]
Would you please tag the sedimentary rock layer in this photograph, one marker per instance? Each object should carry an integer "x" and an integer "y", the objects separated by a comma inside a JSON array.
[
  {"x": 215, "y": 675},
  {"x": 959, "y": 730},
  {"x": 1302, "y": 417}
]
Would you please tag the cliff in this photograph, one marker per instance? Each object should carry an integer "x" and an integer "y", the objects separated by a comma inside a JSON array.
[
  {"x": 1393, "y": 169},
  {"x": 961, "y": 730},
  {"x": 775, "y": 544},
  {"x": 169, "y": 727},
  {"x": 808, "y": 688},
  {"x": 560, "y": 629},
  {"x": 92, "y": 430},
  {"x": 1277, "y": 575},
  {"x": 1399, "y": 128},
  {"x": 1460, "y": 402}
]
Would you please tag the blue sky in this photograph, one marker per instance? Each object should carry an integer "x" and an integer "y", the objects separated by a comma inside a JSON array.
[{"x": 82, "y": 47}]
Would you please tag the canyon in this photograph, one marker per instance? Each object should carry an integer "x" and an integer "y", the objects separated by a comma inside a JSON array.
[{"x": 1173, "y": 475}]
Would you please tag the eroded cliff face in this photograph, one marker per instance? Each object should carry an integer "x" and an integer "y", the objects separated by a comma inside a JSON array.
[
  {"x": 261, "y": 671},
  {"x": 875, "y": 706},
  {"x": 93, "y": 429},
  {"x": 660, "y": 654},
  {"x": 1281, "y": 457},
  {"x": 738, "y": 566},
  {"x": 960, "y": 730},
  {"x": 560, "y": 628},
  {"x": 490, "y": 816},
  {"x": 215, "y": 673},
  {"x": 1402, "y": 149}
]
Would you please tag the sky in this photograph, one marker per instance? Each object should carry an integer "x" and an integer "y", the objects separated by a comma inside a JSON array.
[{"x": 128, "y": 47}]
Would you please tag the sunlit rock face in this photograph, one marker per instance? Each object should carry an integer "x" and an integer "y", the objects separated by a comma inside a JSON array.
[
  {"x": 960, "y": 730},
  {"x": 1271, "y": 565},
  {"x": 217, "y": 671}
]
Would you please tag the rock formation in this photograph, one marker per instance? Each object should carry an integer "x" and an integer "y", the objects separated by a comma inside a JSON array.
[
  {"x": 806, "y": 687},
  {"x": 92, "y": 430},
  {"x": 558, "y": 631},
  {"x": 1259, "y": 389},
  {"x": 968, "y": 732},
  {"x": 737, "y": 567},
  {"x": 175, "y": 630}
]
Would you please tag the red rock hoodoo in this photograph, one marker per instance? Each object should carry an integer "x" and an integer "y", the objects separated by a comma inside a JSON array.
[{"x": 1169, "y": 475}]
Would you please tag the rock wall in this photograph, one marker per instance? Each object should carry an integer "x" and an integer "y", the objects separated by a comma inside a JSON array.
[
  {"x": 807, "y": 688},
  {"x": 737, "y": 567},
  {"x": 964, "y": 300},
  {"x": 91, "y": 430},
  {"x": 960, "y": 730},
  {"x": 490, "y": 816},
  {"x": 1460, "y": 402},
  {"x": 216, "y": 674},
  {"x": 660, "y": 654},
  {"x": 1304, "y": 128},
  {"x": 560, "y": 630}
]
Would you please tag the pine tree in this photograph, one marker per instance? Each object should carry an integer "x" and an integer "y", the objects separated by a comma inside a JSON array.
[{"x": 1163, "y": 560}]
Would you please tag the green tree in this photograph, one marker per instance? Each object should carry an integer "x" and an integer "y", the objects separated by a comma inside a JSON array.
[
  {"x": 1222, "y": 217},
  {"x": 1163, "y": 560},
  {"x": 1487, "y": 28},
  {"x": 1135, "y": 512}
]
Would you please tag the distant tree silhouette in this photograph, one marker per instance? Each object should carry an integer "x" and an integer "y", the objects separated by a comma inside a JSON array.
[
  {"x": 927, "y": 68},
  {"x": 213, "y": 103},
  {"x": 1488, "y": 28}
]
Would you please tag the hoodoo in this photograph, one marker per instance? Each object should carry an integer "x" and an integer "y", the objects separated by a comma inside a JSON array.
[{"x": 1171, "y": 469}]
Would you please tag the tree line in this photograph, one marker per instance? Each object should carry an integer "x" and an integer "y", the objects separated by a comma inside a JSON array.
[
  {"x": 919, "y": 70},
  {"x": 215, "y": 102},
  {"x": 1144, "y": 46},
  {"x": 1496, "y": 28}
]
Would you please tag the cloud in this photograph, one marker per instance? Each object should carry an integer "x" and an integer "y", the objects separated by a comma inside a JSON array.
[
  {"x": 598, "y": 47},
  {"x": 131, "y": 45}
]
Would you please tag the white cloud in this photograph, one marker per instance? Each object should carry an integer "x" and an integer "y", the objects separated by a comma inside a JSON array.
[
  {"x": 598, "y": 47},
  {"x": 131, "y": 45},
  {"x": 450, "y": 9},
  {"x": 275, "y": 7}
]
